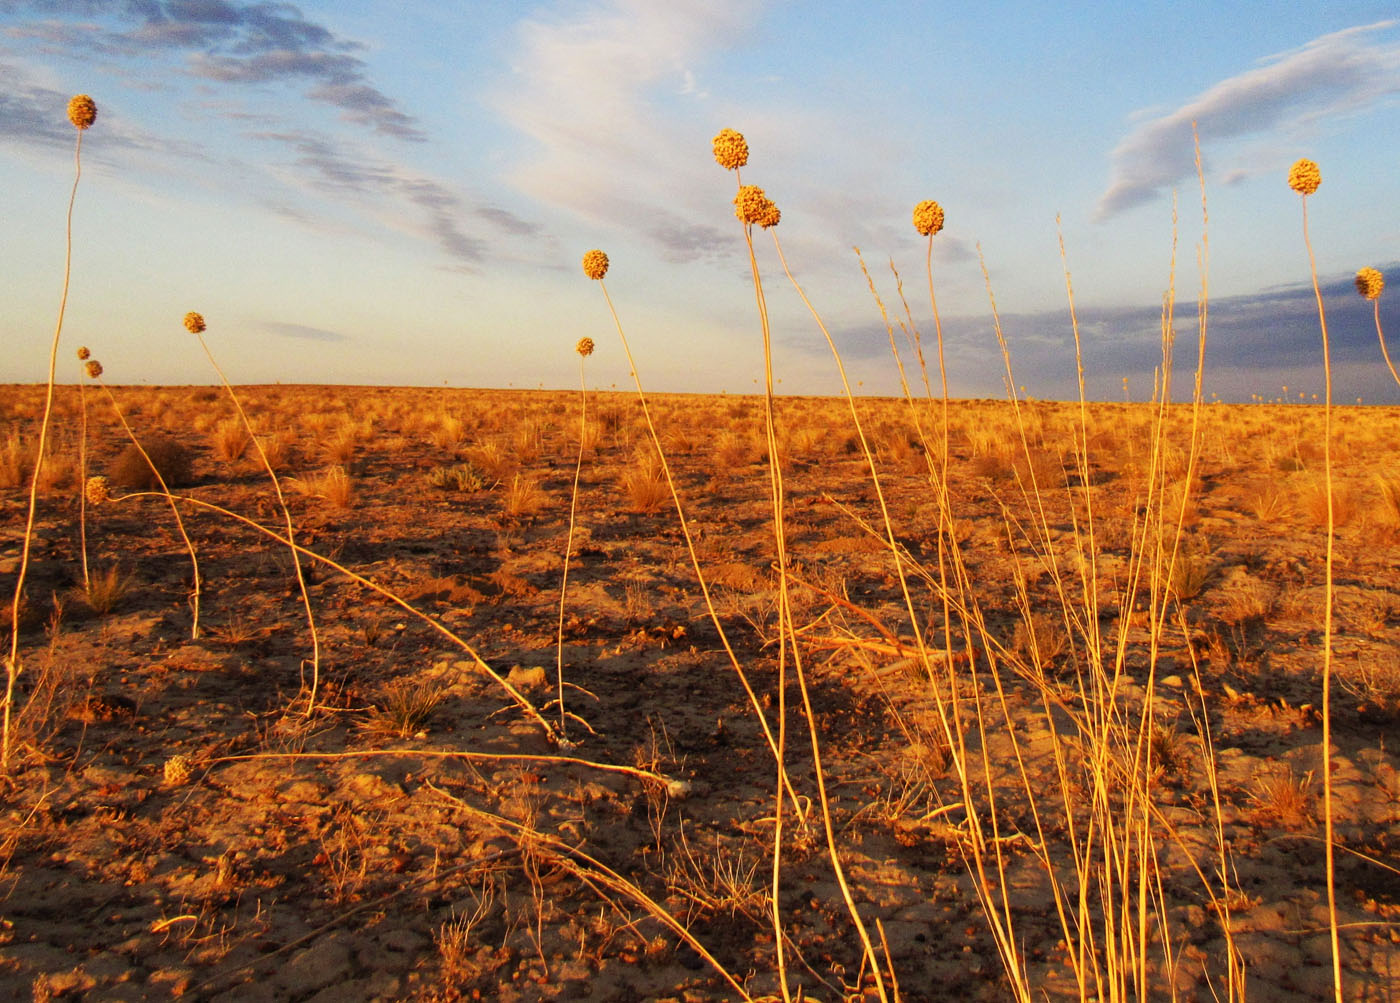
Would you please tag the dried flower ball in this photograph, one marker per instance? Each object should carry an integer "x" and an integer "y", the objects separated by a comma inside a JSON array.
[
  {"x": 928, "y": 217},
  {"x": 584, "y": 347},
  {"x": 752, "y": 205},
  {"x": 94, "y": 369},
  {"x": 595, "y": 264},
  {"x": 731, "y": 149},
  {"x": 82, "y": 111},
  {"x": 1369, "y": 283},
  {"x": 96, "y": 490},
  {"x": 1304, "y": 177},
  {"x": 194, "y": 322},
  {"x": 177, "y": 771},
  {"x": 84, "y": 354}
]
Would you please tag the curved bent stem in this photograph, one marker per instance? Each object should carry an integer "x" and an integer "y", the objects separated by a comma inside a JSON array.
[{"x": 359, "y": 579}]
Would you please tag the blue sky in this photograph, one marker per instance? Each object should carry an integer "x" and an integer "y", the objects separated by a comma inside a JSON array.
[{"x": 400, "y": 193}]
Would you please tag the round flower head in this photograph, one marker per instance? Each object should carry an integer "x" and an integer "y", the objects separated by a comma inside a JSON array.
[
  {"x": 194, "y": 322},
  {"x": 84, "y": 354},
  {"x": 1369, "y": 283},
  {"x": 1304, "y": 178},
  {"x": 595, "y": 264},
  {"x": 752, "y": 205},
  {"x": 94, "y": 368},
  {"x": 177, "y": 771},
  {"x": 928, "y": 217},
  {"x": 82, "y": 111},
  {"x": 731, "y": 149},
  {"x": 584, "y": 347},
  {"x": 770, "y": 215},
  {"x": 96, "y": 490}
]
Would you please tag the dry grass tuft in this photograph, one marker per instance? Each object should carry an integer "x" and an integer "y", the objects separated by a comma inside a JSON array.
[
  {"x": 333, "y": 486},
  {"x": 169, "y": 456}
]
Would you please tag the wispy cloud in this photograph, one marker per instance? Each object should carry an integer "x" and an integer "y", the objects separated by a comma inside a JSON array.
[
  {"x": 596, "y": 90},
  {"x": 304, "y": 333},
  {"x": 33, "y": 115},
  {"x": 226, "y": 41},
  {"x": 367, "y": 183},
  {"x": 1339, "y": 73}
]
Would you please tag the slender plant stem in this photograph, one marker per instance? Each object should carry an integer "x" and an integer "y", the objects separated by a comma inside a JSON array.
[
  {"x": 788, "y": 639},
  {"x": 1327, "y": 821},
  {"x": 12, "y": 664},
  {"x": 287, "y": 519},
  {"x": 690, "y": 547},
  {"x": 1376, "y": 304},
  {"x": 569, "y": 541},
  {"x": 82, "y": 481},
  {"x": 175, "y": 509},
  {"x": 407, "y": 607}
]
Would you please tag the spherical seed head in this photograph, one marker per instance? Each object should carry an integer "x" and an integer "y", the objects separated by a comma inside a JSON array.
[
  {"x": 595, "y": 264},
  {"x": 96, "y": 490},
  {"x": 752, "y": 205},
  {"x": 94, "y": 369},
  {"x": 82, "y": 111},
  {"x": 1304, "y": 177},
  {"x": 731, "y": 149},
  {"x": 194, "y": 322},
  {"x": 584, "y": 347},
  {"x": 84, "y": 354},
  {"x": 928, "y": 217},
  {"x": 177, "y": 771},
  {"x": 1369, "y": 283}
]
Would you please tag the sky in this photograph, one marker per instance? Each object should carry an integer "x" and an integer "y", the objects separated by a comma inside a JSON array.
[{"x": 400, "y": 194}]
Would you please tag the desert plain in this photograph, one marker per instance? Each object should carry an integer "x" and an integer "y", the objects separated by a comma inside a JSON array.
[{"x": 1067, "y": 700}]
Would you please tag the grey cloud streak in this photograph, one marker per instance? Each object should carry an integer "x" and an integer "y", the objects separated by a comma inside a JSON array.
[
  {"x": 226, "y": 41},
  {"x": 1336, "y": 74},
  {"x": 1272, "y": 331}
]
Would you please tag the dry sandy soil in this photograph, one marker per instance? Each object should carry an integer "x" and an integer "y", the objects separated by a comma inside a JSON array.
[{"x": 175, "y": 824}]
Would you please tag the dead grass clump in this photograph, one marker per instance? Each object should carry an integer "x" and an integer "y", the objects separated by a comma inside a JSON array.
[
  {"x": 731, "y": 451},
  {"x": 524, "y": 497},
  {"x": 279, "y": 450},
  {"x": 1314, "y": 502},
  {"x": 645, "y": 486},
  {"x": 1040, "y": 640},
  {"x": 1190, "y": 571},
  {"x": 403, "y": 709},
  {"x": 229, "y": 440},
  {"x": 339, "y": 448},
  {"x": 16, "y": 460},
  {"x": 493, "y": 459},
  {"x": 1269, "y": 503},
  {"x": 1388, "y": 512},
  {"x": 59, "y": 471},
  {"x": 332, "y": 485},
  {"x": 448, "y": 432},
  {"x": 174, "y": 460},
  {"x": 458, "y": 477},
  {"x": 1283, "y": 799},
  {"x": 105, "y": 590}
]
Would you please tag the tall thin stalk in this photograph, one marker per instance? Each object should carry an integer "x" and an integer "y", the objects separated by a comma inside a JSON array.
[
  {"x": 753, "y": 207},
  {"x": 1304, "y": 178},
  {"x": 82, "y": 112},
  {"x": 595, "y": 266},
  {"x": 83, "y": 355},
  {"x": 1369, "y": 283},
  {"x": 94, "y": 369},
  {"x": 584, "y": 349},
  {"x": 194, "y": 323}
]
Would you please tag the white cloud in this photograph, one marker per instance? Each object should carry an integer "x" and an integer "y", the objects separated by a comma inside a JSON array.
[
  {"x": 1336, "y": 74},
  {"x": 596, "y": 91}
]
